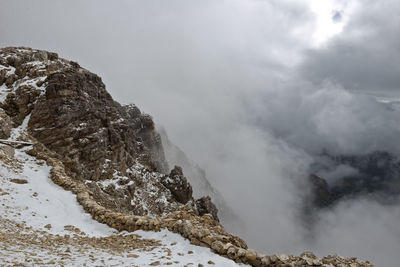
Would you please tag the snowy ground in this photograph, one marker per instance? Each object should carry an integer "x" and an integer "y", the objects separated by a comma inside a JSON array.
[{"x": 42, "y": 224}]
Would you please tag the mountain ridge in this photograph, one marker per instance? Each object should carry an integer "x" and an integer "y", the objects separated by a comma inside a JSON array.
[{"x": 110, "y": 156}]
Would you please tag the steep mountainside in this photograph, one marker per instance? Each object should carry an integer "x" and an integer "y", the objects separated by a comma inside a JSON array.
[
  {"x": 114, "y": 149},
  {"x": 375, "y": 175},
  {"x": 197, "y": 178},
  {"x": 108, "y": 155}
]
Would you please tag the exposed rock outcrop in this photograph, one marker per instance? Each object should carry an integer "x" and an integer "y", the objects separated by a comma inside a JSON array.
[
  {"x": 178, "y": 185},
  {"x": 5, "y": 125},
  {"x": 204, "y": 205},
  {"x": 114, "y": 149}
]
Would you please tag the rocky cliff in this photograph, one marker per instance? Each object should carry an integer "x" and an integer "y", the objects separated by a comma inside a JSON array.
[
  {"x": 113, "y": 149},
  {"x": 111, "y": 156}
]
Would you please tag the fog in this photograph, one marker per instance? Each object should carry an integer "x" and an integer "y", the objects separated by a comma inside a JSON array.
[{"x": 244, "y": 90}]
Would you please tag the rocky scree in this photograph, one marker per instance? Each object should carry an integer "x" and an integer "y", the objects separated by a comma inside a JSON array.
[{"x": 178, "y": 185}]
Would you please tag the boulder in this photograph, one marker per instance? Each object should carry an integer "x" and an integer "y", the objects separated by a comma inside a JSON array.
[
  {"x": 177, "y": 183},
  {"x": 3, "y": 73},
  {"x": 204, "y": 205}
]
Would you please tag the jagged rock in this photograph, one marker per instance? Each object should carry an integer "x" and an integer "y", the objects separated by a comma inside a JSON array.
[
  {"x": 10, "y": 80},
  {"x": 5, "y": 125},
  {"x": 133, "y": 111},
  {"x": 204, "y": 205},
  {"x": 2, "y": 76},
  {"x": 19, "y": 103},
  {"x": 178, "y": 185},
  {"x": 97, "y": 139}
]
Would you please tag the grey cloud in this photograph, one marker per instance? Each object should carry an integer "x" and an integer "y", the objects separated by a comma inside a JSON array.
[
  {"x": 326, "y": 116},
  {"x": 366, "y": 56},
  {"x": 360, "y": 227},
  {"x": 222, "y": 78},
  {"x": 336, "y": 16}
]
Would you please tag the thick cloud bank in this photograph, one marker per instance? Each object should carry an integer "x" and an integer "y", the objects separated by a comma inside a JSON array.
[
  {"x": 367, "y": 56},
  {"x": 243, "y": 89}
]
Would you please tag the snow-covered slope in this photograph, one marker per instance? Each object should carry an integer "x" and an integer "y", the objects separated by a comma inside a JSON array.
[{"x": 41, "y": 223}]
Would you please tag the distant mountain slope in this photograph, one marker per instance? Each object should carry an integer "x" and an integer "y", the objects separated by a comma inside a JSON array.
[
  {"x": 197, "y": 178},
  {"x": 375, "y": 175}
]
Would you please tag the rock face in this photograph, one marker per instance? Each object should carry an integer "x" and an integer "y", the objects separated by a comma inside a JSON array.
[
  {"x": 5, "y": 125},
  {"x": 90, "y": 129},
  {"x": 115, "y": 150},
  {"x": 204, "y": 205},
  {"x": 178, "y": 185}
]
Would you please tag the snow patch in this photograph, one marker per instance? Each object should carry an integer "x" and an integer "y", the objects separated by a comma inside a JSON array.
[
  {"x": 20, "y": 130},
  {"x": 40, "y": 202}
]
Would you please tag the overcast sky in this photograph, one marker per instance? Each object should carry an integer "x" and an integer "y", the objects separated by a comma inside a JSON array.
[{"x": 252, "y": 90}]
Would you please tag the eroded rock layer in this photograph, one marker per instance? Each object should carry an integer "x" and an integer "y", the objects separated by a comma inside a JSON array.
[{"x": 114, "y": 149}]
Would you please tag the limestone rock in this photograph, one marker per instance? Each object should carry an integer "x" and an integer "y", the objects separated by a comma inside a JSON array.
[
  {"x": 5, "y": 125},
  {"x": 177, "y": 183},
  {"x": 204, "y": 205},
  {"x": 69, "y": 111},
  {"x": 7, "y": 150}
]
